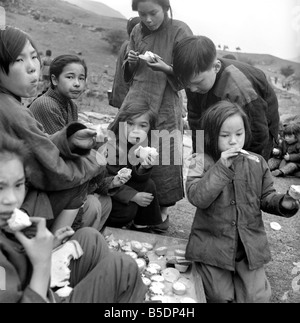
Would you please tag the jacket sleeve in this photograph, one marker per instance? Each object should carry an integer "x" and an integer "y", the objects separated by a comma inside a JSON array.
[
  {"x": 295, "y": 157},
  {"x": 204, "y": 182},
  {"x": 13, "y": 290},
  {"x": 54, "y": 166},
  {"x": 271, "y": 200},
  {"x": 182, "y": 32}
]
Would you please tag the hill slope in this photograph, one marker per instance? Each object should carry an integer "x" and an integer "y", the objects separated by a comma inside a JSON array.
[
  {"x": 97, "y": 7},
  {"x": 66, "y": 28}
]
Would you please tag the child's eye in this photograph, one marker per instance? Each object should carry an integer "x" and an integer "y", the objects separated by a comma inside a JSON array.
[
  {"x": 19, "y": 60},
  {"x": 20, "y": 185}
]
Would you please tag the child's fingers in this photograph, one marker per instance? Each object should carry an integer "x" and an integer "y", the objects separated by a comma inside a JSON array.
[{"x": 21, "y": 237}]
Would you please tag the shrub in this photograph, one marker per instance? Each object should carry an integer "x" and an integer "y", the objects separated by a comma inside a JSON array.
[
  {"x": 287, "y": 71},
  {"x": 116, "y": 38}
]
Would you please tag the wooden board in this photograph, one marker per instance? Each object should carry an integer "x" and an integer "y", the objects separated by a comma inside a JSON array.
[{"x": 191, "y": 278}]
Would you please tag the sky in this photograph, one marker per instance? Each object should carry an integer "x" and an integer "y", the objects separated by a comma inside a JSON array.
[{"x": 256, "y": 26}]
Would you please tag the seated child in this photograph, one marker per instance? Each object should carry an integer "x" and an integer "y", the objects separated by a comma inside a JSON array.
[
  {"x": 137, "y": 200},
  {"x": 99, "y": 276},
  {"x": 290, "y": 161}
]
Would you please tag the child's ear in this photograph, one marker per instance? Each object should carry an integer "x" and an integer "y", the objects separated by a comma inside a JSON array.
[
  {"x": 54, "y": 80},
  {"x": 218, "y": 66}
]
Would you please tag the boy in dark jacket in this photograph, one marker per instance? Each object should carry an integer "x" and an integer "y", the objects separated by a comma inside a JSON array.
[{"x": 208, "y": 80}]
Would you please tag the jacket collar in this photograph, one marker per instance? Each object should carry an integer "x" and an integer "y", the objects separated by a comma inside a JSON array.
[
  {"x": 58, "y": 97},
  {"x": 5, "y": 91}
]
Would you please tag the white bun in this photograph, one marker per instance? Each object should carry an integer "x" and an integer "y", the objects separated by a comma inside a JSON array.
[
  {"x": 124, "y": 172},
  {"x": 19, "y": 221}
]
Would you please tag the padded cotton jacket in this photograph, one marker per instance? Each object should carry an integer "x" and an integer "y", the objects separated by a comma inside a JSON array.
[{"x": 230, "y": 203}]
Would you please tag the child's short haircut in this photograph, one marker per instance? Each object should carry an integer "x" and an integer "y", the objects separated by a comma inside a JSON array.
[
  {"x": 12, "y": 42},
  {"x": 48, "y": 52},
  {"x": 193, "y": 55},
  {"x": 292, "y": 129}
]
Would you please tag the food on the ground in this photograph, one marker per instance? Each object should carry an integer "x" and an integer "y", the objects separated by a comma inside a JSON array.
[
  {"x": 146, "y": 281},
  {"x": 182, "y": 267},
  {"x": 180, "y": 253},
  {"x": 150, "y": 271},
  {"x": 113, "y": 245},
  {"x": 294, "y": 192},
  {"x": 179, "y": 288},
  {"x": 157, "y": 289},
  {"x": 136, "y": 246},
  {"x": 162, "y": 251},
  {"x": 141, "y": 264},
  {"x": 275, "y": 226},
  {"x": 126, "y": 247},
  {"x": 19, "y": 221},
  {"x": 144, "y": 152},
  {"x": 171, "y": 274},
  {"x": 155, "y": 266},
  {"x": 132, "y": 254},
  {"x": 165, "y": 285},
  {"x": 148, "y": 246},
  {"x": 124, "y": 172},
  {"x": 157, "y": 278},
  {"x": 142, "y": 252}
]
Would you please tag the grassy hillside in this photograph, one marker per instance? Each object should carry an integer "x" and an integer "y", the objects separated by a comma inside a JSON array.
[
  {"x": 65, "y": 28},
  {"x": 97, "y": 7}
]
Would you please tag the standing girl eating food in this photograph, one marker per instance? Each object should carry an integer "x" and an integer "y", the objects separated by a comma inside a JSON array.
[
  {"x": 155, "y": 83},
  {"x": 230, "y": 188}
]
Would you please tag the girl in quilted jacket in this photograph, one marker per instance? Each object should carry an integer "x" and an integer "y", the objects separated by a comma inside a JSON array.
[{"x": 230, "y": 188}]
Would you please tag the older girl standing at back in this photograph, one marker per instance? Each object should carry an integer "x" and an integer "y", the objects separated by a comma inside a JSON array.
[{"x": 154, "y": 81}]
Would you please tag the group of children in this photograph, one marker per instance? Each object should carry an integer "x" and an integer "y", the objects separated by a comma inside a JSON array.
[{"x": 52, "y": 171}]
